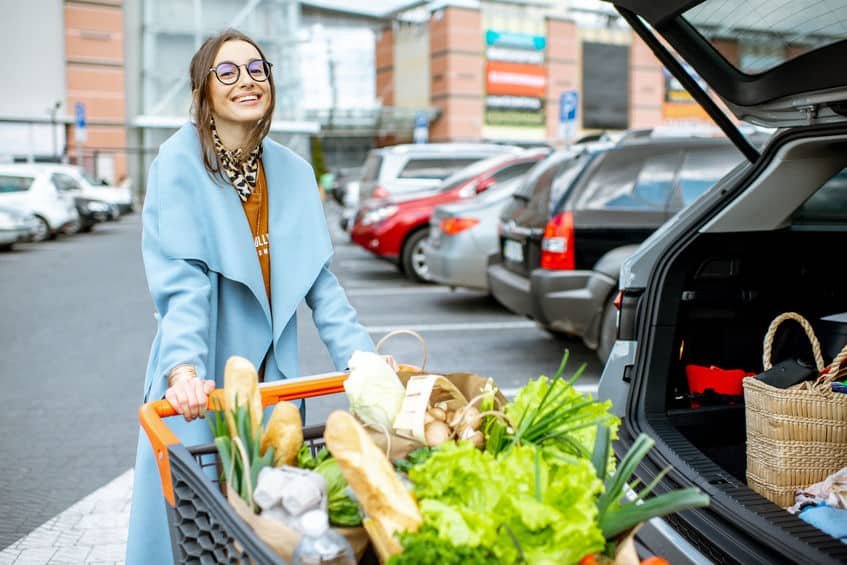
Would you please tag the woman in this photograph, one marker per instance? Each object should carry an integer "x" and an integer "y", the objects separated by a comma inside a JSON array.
[{"x": 234, "y": 238}]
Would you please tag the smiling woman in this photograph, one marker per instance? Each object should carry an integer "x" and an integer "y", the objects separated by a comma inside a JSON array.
[{"x": 234, "y": 239}]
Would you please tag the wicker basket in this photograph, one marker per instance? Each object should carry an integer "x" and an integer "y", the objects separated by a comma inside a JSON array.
[{"x": 795, "y": 436}]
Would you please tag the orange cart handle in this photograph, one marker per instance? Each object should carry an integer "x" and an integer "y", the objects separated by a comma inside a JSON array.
[{"x": 161, "y": 437}]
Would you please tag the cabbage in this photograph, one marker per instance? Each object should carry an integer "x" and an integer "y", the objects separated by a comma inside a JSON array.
[{"x": 373, "y": 389}]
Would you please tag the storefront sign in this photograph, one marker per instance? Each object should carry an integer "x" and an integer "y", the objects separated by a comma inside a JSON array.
[
  {"x": 517, "y": 79},
  {"x": 514, "y": 118},
  {"x": 515, "y": 40},
  {"x": 514, "y": 55},
  {"x": 513, "y": 103}
]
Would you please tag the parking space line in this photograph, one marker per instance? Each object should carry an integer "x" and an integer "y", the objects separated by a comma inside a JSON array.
[
  {"x": 588, "y": 388},
  {"x": 397, "y": 290},
  {"x": 455, "y": 327}
]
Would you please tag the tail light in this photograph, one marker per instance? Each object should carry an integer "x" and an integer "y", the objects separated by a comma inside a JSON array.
[
  {"x": 557, "y": 250},
  {"x": 452, "y": 226},
  {"x": 379, "y": 192}
]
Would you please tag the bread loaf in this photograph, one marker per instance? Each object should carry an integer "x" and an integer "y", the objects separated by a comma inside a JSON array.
[
  {"x": 390, "y": 508},
  {"x": 284, "y": 433}
]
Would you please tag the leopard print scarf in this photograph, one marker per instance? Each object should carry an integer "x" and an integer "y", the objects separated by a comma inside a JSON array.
[{"x": 241, "y": 173}]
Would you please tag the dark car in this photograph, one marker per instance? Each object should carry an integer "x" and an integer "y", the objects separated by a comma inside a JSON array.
[
  {"x": 564, "y": 238},
  {"x": 91, "y": 212},
  {"x": 700, "y": 294}
]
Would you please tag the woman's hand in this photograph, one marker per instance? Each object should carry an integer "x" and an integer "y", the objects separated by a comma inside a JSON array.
[{"x": 189, "y": 397}]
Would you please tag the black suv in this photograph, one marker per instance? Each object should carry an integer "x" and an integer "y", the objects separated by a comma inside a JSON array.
[{"x": 564, "y": 236}]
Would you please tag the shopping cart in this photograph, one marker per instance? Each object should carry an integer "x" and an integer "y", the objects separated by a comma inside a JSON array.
[{"x": 203, "y": 526}]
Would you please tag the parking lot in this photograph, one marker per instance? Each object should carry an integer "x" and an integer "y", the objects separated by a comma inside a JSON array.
[{"x": 82, "y": 326}]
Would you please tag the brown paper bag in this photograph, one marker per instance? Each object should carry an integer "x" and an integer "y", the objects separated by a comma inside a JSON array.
[
  {"x": 283, "y": 539},
  {"x": 469, "y": 384}
]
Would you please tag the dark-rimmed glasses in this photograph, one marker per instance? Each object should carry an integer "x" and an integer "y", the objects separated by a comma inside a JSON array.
[{"x": 228, "y": 73}]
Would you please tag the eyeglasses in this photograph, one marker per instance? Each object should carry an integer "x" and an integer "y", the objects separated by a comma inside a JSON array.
[{"x": 229, "y": 73}]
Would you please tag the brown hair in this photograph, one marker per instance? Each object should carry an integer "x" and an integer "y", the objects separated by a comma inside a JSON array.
[{"x": 202, "y": 61}]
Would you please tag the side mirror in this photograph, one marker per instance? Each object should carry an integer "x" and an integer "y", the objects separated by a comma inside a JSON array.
[{"x": 485, "y": 184}]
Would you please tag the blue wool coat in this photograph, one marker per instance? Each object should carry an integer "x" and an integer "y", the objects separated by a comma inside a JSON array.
[{"x": 210, "y": 298}]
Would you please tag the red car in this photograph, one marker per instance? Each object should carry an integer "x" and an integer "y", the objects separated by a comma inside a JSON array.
[{"x": 396, "y": 228}]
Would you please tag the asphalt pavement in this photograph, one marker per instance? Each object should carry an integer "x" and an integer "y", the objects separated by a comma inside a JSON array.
[{"x": 77, "y": 325}]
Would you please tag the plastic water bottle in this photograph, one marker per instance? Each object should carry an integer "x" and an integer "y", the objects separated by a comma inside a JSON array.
[{"x": 320, "y": 544}]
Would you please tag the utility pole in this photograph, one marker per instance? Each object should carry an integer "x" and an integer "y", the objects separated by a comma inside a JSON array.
[{"x": 53, "y": 111}]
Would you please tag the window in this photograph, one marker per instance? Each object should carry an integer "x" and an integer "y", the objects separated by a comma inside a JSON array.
[
  {"x": 370, "y": 170},
  {"x": 546, "y": 169},
  {"x": 437, "y": 168},
  {"x": 613, "y": 182},
  {"x": 566, "y": 177},
  {"x": 654, "y": 183},
  {"x": 702, "y": 169},
  {"x": 9, "y": 183},
  {"x": 827, "y": 205},
  {"x": 513, "y": 171},
  {"x": 65, "y": 182}
]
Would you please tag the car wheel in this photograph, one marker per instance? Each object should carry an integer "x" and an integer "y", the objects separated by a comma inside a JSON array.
[
  {"x": 413, "y": 258},
  {"x": 608, "y": 330},
  {"x": 42, "y": 230},
  {"x": 6, "y": 247},
  {"x": 74, "y": 227}
]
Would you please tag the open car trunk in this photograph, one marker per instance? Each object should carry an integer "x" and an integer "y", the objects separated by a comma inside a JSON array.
[{"x": 709, "y": 302}]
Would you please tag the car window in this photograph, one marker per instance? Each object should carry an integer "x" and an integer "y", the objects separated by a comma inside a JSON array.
[
  {"x": 370, "y": 170},
  {"x": 530, "y": 183},
  {"x": 827, "y": 205},
  {"x": 465, "y": 174},
  {"x": 437, "y": 168},
  {"x": 566, "y": 176},
  {"x": 613, "y": 182},
  {"x": 500, "y": 190},
  {"x": 701, "y": 169},
  {"x": 14, "y": 183},
  {"x": 65, "y": 182},
  {"x": 513, "y": 171}
]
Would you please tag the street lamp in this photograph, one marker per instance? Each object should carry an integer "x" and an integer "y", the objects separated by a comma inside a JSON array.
[{"x": 53, "y": 111}]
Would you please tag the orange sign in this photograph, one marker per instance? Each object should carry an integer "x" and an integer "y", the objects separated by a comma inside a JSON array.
[{"x": 515, "y": 79}]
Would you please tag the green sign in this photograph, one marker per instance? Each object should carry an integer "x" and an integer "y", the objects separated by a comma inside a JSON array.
[{"x": 515, "y": 118}]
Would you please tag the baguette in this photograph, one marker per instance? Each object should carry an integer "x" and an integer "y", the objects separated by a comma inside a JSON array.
[
  {"x": 241, "y": 388},
  {"x": 389, "y": 507}
]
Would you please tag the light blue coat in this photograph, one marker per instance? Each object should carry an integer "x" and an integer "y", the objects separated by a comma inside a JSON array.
[{"x": 207, "y": 287}]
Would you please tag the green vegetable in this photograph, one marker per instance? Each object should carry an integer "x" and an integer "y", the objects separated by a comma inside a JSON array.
[
  {"x": 524, "y": 504},
  {"x": 416, "y": 457},
  {"x": 617, "y": 513},
  {"x": 425, "y": 547},
  {"x": 343, "y": 511},
  {"x": 240, "y": 453},
  {"x": 305, "y": 459},
  {"x": 553, "y": 414}
]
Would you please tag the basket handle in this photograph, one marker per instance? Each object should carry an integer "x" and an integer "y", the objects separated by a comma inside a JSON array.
[
  {"x": 391, "y": 334},
  {"x": 807, "y": 327},
  {"x": 832, "y": 370}
]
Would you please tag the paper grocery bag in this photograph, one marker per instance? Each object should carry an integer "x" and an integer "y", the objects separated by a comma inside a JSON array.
[
  {"x": 423, "y": 391},
  {"x": 283, "y": 539},
  {"x": 470, "y": 385}
]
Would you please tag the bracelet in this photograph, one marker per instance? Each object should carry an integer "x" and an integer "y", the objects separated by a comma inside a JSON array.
[{"x": 181, "y": 373}]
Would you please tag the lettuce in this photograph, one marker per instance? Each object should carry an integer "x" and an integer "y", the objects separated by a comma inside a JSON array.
[
  {"x": 374, "y": 390},
  {"x": 524, "y": 504}
]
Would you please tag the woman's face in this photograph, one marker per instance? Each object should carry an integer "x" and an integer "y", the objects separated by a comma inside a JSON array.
[{"x": 245, "y": 101}]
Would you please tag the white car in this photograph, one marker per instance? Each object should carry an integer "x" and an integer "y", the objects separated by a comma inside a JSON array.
[
  {"x": 119, "y": 196},
  {"x": 15, "y": 225},
  {"x": 29, "y": 188}
]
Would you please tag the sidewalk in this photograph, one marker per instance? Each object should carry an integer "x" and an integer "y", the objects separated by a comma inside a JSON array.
[{"x": 91, "y": 531}]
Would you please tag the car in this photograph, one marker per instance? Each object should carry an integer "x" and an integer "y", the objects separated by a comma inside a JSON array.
[
  {"x": 407, "y": 168},
  {"x": 396, "y": 228},
  {"x": 16, "y": 225},
  {"x": 118, "y": 197},
  {"x": 702, "y": 290},
  {"x": 563, "y": 240},
  {"x": 30, "y": 188},
  {"x": 90, "y": 210}
]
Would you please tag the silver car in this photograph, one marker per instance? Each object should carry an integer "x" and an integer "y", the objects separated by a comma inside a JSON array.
[
  {"x": 463, "y": 235},
  {"x": 15, "y": 225}
]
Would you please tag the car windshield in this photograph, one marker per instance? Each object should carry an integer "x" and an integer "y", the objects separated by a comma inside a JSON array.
[
  {"x": 14, "y": 183},
  {"x": 500, "y": 190},
  {"x": 768, "y": 33},
  {"x": 434, "y": 168}
]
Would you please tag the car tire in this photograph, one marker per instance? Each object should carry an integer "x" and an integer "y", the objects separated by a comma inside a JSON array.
[
  {"x": 413, "y": 259},
  {"x": 608, "y": 330},
  {"x": 43, "y": 233}
]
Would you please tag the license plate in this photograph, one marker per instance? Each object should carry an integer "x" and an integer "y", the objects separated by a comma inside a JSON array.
[{"x": 513, "y": 251}]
